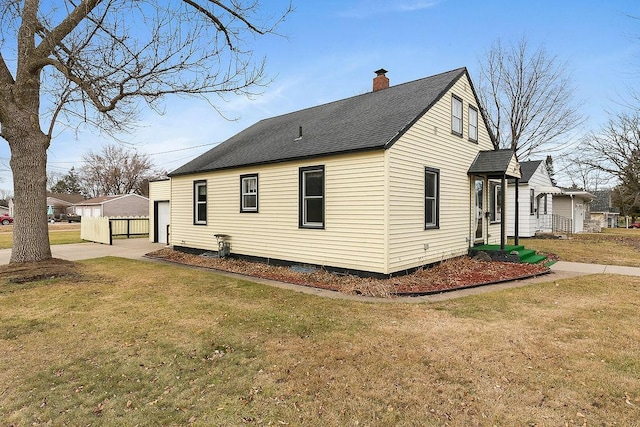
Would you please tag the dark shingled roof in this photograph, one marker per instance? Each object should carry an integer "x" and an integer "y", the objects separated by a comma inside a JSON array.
[
  {"x": 493, "y": 162},
  {"x": 527, "y": 169},
  {"x": 602, "y": 202},
  {"x": 370, "y": 121}
]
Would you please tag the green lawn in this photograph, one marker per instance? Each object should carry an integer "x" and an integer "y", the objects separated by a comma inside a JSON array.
[
  {"x": 57, "y": 237},
  {"x": 141, "y": 343},
  {"x": 613, "y": 246}
]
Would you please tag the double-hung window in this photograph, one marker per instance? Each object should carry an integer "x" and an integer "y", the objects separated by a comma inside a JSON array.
[
  {"x": 496, "y": 202},
  {"x": 249, "y": 193},
  {"x": 311, "y": 197},
  {"x": 473, "y": 124},
  {"x": 532, "y": 200},
  {"x": 456, "y": 115},
  {"x": 431, "y": 197},
  {"x": 200, "y": 202}
]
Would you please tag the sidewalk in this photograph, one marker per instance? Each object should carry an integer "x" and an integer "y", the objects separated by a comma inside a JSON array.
[
  {"x": 124, "y": 248},
  {"x": 578, "y": 267},
  {"x": 137, "y": 248}
]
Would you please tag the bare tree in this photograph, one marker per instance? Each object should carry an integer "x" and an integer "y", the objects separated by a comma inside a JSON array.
[
  {"x": 615, "y": 151},
  {"x": 96, "y": 62},
  {"x": 583, "y": 175},
  {"x": 5, "y": 195},
  {"x": 627, "y": 200},
  {"x": 52, "y": 178},
  {"x": 115, "y": 170},
  {"x": 528, "y": 98}
]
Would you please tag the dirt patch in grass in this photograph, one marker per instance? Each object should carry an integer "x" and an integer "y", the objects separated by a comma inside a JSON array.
[
  {"x": 25, "y": 272},
  {"x": 452, "y": 274}
]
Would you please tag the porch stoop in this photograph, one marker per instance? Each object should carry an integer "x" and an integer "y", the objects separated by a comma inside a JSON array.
[{"x": 528, "y": 256}]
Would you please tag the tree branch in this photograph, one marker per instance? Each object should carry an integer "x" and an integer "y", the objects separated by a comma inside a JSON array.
[{"x": 62, "y": 30}]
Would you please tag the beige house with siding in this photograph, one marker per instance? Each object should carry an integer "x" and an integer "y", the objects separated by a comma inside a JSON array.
[
  {"x": 116, "y": 205},
  {"x": 574, "y": 205},
  {"x": 379, "y": 183}
]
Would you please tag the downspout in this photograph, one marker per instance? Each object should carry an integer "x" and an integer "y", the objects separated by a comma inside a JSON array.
[
  {"x": 573, "y": 221},
  {"x": 516, "y": 231},
  {"x": 503, "y": 214}
]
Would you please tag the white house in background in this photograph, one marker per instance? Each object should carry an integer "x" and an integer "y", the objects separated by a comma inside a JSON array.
[
  {"x": 535, "y": 201},
  {"x": 379, "y": 183},
  {"x": 118, "y": 205},
  {"x": 572, "y": 205}
]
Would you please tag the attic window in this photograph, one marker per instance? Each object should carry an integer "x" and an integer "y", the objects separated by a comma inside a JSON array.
[
  {"x": 456, "y": 115},
  {"x": 473, "y": 124}
]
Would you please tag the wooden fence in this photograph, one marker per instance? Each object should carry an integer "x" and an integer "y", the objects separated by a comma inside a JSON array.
[{"x": 103, "y": 229}]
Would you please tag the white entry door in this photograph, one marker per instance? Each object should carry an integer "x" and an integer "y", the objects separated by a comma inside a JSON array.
[{"x": 163, "y": 214}]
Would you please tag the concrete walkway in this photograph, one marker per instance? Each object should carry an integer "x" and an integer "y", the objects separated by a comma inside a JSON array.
[
  {"x": 582, "y": 268},
  {"x": 137, "y": 248},
  {"x": 124, "y": 248}
]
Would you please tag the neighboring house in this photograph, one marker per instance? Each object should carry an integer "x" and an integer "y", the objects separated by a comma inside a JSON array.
[
  {"x": 602, "y": 211},
  {"x": 379, "y": 183},
  {"x": 574, "y": 206},
  {"x": 535, "y": 204},
  {"x": 108, "y": 206},
  {"x": 4, "y": 210},
  {"x": 58, "y": 203}
]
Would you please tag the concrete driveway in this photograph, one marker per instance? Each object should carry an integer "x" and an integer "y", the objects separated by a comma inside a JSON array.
[{"x": 124, "y": 248}]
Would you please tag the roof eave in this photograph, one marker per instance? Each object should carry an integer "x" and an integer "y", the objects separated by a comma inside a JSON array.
[{"x": 277, "y": 161}]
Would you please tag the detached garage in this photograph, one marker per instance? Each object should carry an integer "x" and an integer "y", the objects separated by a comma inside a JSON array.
[
  {"x": 159, "y": 210},
  {"x": 118, "y": 205}
]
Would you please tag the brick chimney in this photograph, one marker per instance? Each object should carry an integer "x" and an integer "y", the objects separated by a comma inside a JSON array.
[{"x": 380, "y": 81}]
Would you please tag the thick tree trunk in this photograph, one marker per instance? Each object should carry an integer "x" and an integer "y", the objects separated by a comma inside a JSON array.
[{"x": 29, "y": 168}]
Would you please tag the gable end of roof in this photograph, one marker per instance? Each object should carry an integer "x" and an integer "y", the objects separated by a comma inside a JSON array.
[
  {"x": 463, "y": 72},
  {"x": 367, "y": 122}
]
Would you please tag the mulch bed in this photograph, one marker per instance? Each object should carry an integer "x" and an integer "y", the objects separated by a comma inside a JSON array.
[
  {"x": 26, "y": 272},
  {"x": 457, "y": 273}
]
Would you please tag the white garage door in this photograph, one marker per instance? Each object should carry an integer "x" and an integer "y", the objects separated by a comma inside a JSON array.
[{"x": 162, "y": 214}]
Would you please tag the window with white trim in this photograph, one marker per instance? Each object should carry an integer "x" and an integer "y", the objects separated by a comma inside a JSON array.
[
  {"x": 456, "y": 115},
  {"x": 311, "y": 197},
  {"x": 473, "y": 124},
  {"x": 200, "y": 202},
  {"x": 431, "y": 197},
  {"x": 496, "y": 202},
  {"x": 249, "y": 193},
  {"x": 532, "y": 201}
]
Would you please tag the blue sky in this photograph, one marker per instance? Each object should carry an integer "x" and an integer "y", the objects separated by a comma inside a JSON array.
[{"x": 331, "y": 49}]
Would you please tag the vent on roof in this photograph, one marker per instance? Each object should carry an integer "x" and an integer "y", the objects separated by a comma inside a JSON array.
[
  {"x": 380, "y": 81},
  {"x": 299, "y": 137}
]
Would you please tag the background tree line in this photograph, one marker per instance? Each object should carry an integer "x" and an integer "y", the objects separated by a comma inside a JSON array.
[
  {"x": 531, "y": 108},
  {"x": 110, "y": 171}
]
